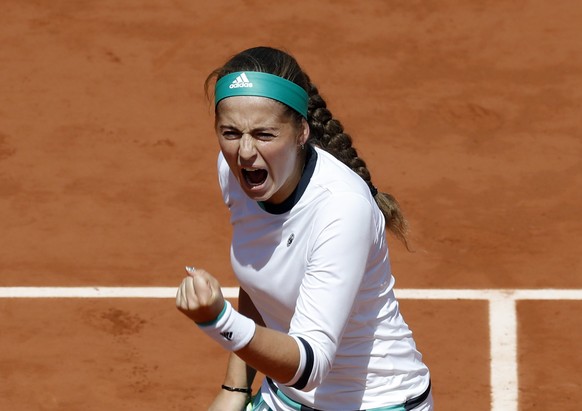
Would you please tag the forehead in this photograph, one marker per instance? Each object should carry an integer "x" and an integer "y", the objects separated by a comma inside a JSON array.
[{"x": 250, "y": 109}]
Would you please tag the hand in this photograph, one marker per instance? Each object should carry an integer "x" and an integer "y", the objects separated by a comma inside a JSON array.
[
  {"x": 199, "y": 296},
  {"x": 229, "y": 401}
]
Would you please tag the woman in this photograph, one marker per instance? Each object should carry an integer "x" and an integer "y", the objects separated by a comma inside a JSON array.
[{"x": 317, "y": 314}]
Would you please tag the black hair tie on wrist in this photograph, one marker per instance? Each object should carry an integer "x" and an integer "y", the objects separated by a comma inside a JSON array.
[{"x": 247, "y": 391}]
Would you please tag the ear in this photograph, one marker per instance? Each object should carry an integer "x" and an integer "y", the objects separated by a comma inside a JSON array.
[{"x": 304, "y": 132}]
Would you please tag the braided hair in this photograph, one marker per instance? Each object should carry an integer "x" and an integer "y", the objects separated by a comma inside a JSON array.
[{"x": 326, "y": 132}]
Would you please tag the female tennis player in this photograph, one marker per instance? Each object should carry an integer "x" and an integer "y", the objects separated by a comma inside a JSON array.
[{"x": 317, "y": 313}]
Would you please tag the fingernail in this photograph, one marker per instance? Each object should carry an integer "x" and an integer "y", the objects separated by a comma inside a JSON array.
[{"x": 190, "y": 269}]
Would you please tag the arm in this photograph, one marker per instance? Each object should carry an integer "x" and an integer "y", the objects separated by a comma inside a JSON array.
[
  {"x": 271, "y": 352},
  {"x": 323, "y": 308},
  {"x": 238, "y": 373}
]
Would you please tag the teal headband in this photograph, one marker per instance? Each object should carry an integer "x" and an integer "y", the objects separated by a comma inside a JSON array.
[{"x": 254, "y": 83}]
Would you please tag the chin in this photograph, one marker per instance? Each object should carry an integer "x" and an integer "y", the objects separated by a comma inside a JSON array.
[{"x": 257, "y": 196}]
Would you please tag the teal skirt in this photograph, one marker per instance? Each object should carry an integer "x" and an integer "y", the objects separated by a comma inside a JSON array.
[{"x": 258, "y": 404}]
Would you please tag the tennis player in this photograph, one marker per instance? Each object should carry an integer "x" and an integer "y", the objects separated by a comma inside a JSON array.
[{"x": 317, "y": 313}]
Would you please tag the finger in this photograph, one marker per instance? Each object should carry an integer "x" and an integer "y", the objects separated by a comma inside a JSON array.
[
  {"x": 186, "y": 297},
  {"x": 180, "y": 296},
  {"x": 203, "y": 290},
  {"x": 190, "y": 270},
  {"x": 192, "y": 300}
]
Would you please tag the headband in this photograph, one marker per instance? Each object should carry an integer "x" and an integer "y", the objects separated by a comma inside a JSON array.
[{"x": 254, "y": 83}]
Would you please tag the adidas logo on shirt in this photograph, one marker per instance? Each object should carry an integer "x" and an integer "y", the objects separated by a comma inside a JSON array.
[{"x": 241, "y": 81}]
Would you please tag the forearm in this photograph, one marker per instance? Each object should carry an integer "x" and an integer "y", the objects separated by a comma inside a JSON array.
[
  {"x": 272, "y": 353},
  {"x": 238, "y": 372},
  {"x": 238, "y": 376}
]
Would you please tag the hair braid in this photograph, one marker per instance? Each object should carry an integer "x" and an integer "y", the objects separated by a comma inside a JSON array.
[
  {"x": 328, "y": 134},
  {"x": 326, "y": 131}
]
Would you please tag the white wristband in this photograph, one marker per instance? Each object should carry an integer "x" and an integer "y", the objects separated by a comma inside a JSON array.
[{"x": 230, "y": 329}]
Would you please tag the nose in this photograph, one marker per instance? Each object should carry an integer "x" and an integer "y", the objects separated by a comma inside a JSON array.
[{"x": 247, "y": 147}]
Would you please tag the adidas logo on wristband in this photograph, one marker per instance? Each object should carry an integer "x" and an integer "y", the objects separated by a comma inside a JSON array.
[
  {"x": 227, "y": 335},
  {"x": 241, "y": 81},
  {"x": 230, "y": 329}
]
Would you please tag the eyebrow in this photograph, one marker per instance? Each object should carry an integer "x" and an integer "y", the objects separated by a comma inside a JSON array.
[{"x": 258, "y": 129}]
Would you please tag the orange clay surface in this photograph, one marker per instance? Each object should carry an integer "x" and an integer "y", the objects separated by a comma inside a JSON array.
[{"x": 468, "y": 112}]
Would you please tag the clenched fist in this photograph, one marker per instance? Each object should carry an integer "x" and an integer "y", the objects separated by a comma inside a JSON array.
[{"x": 199, "y": 296}]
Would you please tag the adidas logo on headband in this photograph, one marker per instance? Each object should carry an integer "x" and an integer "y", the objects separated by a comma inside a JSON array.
[
  {"x": 263, "y": 85},
  {"x": 241, "y": 81}
]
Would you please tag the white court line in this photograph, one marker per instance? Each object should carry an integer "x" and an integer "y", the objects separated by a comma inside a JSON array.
[
  {"x": 503, "y": 354},
  {"x": 88, "y": 292},
  {"x": 502, "y": 319},
  {"x": 485, "y": 294},
  {"x": 99, "y": 292},
  {"x": 232, "y": 292}
]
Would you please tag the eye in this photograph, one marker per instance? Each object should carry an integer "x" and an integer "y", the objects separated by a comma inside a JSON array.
[
  {"x": 264, "y": 135},
  {"x": 230, "y": 134}
]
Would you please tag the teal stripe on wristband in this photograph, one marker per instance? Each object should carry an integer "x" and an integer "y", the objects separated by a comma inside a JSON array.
[{"x": 213, "y": 322}]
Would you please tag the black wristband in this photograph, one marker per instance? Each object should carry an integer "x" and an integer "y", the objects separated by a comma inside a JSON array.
[{"x": 247, "y": 391}]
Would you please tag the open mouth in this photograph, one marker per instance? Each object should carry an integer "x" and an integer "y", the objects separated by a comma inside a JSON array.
[{"x": 254, "y": 177}]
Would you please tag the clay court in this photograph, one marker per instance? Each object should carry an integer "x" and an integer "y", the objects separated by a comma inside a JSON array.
[{"x": 469, "y": 112}]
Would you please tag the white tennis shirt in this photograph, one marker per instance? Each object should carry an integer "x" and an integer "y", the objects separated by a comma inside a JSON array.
[{"x": 318, "y": 268}]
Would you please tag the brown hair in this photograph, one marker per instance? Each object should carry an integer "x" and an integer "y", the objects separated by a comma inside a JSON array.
[{"x": 326, "y": 132}]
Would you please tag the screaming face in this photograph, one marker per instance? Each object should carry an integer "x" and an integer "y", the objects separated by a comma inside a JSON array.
[{"x": 260, "y": 143}]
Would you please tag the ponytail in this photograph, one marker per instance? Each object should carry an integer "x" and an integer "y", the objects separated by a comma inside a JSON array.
[{"x": 326, "y": 132}]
